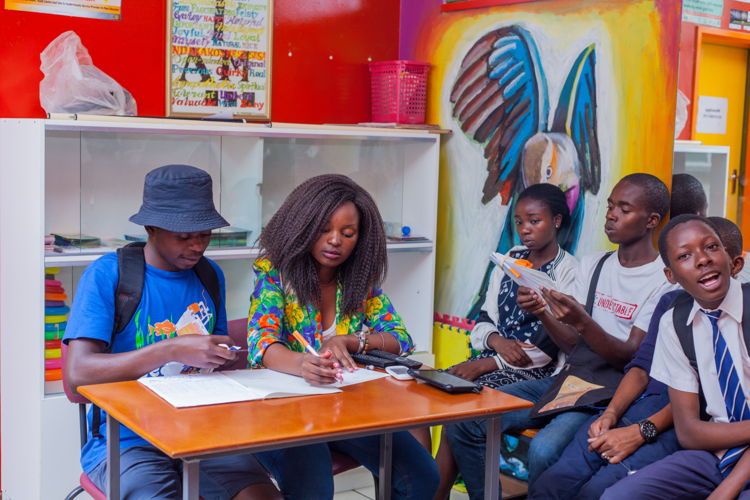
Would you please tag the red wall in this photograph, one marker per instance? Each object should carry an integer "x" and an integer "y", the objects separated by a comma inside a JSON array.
[
  {"x": 308, "y": 86},
  {"x": 132, "y": 51}
]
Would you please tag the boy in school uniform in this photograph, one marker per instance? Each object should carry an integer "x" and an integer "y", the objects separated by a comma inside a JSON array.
[
  {"x": 620, "y": 291},
  {"x": 179, "y": 214},
  {"x": 701, "y": 355},
  {"x": 636, "y": 427}
]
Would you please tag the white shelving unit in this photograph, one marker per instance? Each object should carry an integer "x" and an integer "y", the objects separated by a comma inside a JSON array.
[{"x": 86, "y": 177}]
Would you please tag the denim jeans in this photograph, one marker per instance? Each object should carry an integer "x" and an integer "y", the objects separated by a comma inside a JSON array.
[
  {"x": 304, "y": 472},
  {"x": 582, "y": 474},
  {"x": 146, "y": 472},
  {"x": 467, "y": 439}
]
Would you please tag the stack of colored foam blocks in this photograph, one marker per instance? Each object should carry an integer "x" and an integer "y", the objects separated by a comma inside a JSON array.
[{"x": 55, "y": 320}]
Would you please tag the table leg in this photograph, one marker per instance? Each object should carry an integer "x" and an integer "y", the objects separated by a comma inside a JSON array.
[
  {"x": 190, "y": 479},
  {"x": 386, "y": 466},
  {"x": 492, "y": 460},
  {"x": 113, "y": 457}
]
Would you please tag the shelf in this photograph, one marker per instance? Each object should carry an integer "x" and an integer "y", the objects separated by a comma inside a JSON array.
[
  {"x": 94, "y": 123},
  {"x": 84, "y": 259}
]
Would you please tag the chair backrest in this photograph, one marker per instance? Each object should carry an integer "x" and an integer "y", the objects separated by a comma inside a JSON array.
[{"x": 237, "y": 329}]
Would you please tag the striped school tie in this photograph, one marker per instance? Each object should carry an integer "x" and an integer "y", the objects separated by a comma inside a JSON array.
[{"x": 729, "y": 381}]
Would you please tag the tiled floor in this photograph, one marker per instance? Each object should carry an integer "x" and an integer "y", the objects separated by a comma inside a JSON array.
[{"x": 357, "y": 484}]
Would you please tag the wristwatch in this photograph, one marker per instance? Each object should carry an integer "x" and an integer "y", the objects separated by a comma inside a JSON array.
[{"x": 648, "y": 430}]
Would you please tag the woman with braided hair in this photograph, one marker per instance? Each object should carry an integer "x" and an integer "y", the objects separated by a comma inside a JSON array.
[{"x": 323, "y": 258}]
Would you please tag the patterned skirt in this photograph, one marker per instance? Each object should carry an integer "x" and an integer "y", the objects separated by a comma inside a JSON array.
[{"x": 498, "y": 378}]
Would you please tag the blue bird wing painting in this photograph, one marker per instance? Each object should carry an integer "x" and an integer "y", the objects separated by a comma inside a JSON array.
[
  {"x": 500, "y": 101},
  {"x": 576, "y": 117}
]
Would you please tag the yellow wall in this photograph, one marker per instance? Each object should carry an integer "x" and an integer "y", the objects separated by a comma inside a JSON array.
[{"x": 723, "y": 71}]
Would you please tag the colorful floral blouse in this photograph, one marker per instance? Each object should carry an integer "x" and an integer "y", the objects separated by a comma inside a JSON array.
[{"x": 275, "y": 314}]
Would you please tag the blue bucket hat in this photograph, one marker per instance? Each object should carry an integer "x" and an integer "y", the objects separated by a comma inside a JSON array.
[{"x": 179, "y": 198}]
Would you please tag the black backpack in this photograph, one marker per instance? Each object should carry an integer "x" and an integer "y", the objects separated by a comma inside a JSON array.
[
  {"x": 131, "y": 269},
  {"x": 683, "y": 304},
  {"x": 585, "y": 364}
]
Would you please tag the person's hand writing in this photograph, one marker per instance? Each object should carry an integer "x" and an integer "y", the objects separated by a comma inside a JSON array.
[
  {"x": 320, "y": 370},
  {"x": 470, "y": 370},
  {"x": 339, "y": 345},
  {"x": 564, "y": 308},
  {"x": 605, "y": 422},
  {"x": 510, "y": 350},
  {"x": 201, "y": 351},
  {"x": 530, "y": 301},
  {"x": 615, "y": 445}
]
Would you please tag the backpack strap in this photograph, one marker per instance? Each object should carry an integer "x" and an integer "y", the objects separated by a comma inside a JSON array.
[
  {"x": 594, "y": 282},
  {"x": 746, "y": 314},
  {"x": 682, "y": 305},
  {"x": 210, "y": 281},
  {"x": 131, "y": 266}
]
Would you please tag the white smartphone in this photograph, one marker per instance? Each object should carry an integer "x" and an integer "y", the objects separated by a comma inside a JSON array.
[{"x": 398, "y": 372}]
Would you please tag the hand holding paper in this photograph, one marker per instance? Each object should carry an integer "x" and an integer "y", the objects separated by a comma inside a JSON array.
[
  {"x": 564, "y": 308},
  {"x": 519, "y": 272},
  {"x": 530, "y": 301}
]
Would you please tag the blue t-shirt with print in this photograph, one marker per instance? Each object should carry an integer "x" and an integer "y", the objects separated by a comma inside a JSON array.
[{"x": 166, "y": 298}]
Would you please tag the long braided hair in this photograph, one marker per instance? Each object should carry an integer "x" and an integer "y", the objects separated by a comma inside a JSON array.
[{"x": 288, "y": 238}]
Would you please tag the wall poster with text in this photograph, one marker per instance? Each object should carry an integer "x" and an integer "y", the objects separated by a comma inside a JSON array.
[
  {"x": 219, "y": 58},
  {"x": 95, "y": 9}
]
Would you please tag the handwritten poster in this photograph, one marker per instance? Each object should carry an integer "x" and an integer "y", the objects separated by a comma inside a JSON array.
[
  {"x": 219, "y": 58},
  {"x": 97, "y": 9}
]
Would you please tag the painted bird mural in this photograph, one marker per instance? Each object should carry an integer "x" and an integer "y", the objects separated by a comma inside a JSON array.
[{"x": 500, "y": 101}]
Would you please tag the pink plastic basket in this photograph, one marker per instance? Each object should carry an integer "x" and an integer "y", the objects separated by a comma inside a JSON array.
[{"x": 399, "y": 91}]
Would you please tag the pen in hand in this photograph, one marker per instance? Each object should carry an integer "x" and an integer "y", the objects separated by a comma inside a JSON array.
[
  {"x": 311, "y": 350},
  {"x": 305, "y": 343}
]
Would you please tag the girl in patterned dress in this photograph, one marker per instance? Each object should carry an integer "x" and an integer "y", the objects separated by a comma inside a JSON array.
[
  {"x": 323, "y": 257},
  {"x": 513, "y": 344}
]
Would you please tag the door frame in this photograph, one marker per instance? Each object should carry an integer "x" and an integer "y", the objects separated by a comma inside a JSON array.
[{"x": 717, "y": 36}]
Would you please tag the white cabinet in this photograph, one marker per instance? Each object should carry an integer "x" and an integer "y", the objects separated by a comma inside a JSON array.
[
  {"x": 86, "y": 178},
  {"x": 710, "y": 165}
]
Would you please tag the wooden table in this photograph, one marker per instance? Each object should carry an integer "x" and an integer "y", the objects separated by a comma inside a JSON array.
[{"x": 380, "y": 406}]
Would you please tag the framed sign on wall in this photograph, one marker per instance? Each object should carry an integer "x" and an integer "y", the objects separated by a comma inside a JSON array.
[{"x": 219, "y": 58}]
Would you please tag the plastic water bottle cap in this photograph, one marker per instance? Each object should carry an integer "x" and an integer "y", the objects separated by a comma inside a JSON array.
[{"x": 405, "y": 230}]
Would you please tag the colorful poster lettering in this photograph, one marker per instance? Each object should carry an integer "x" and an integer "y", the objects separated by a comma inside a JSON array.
[
  {"x": 219, "y": 58},
  {"x": 706, "y": 12},
  {"x": 97, "y": 9}
]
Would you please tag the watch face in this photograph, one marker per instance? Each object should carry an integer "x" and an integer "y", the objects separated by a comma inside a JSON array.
[{"x": 648, "y": 430}]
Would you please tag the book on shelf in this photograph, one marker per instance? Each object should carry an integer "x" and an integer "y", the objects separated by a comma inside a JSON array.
[
  {"x": 230, "y": 237},
  {"x": 76, "y": 240}
]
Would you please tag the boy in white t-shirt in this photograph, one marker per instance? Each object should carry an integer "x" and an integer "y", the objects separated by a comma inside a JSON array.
[
  {"x": 701, "y": 354},
  {"x": 628, "y": 286}
]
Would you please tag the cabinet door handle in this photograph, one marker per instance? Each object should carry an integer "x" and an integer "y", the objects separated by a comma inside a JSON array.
[{"x": 734, "y": 178}]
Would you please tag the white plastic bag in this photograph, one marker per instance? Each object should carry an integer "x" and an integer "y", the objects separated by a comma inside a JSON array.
[
  {"x": 681, "y": 113},
  {"x": 72, "y": 84}
]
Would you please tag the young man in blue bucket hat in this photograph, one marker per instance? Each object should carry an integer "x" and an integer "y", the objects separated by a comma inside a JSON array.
[{"x": 136, "y": 313}]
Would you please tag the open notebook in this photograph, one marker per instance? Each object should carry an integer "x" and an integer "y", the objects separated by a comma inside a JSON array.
[{"x": 242, "y": 385}]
